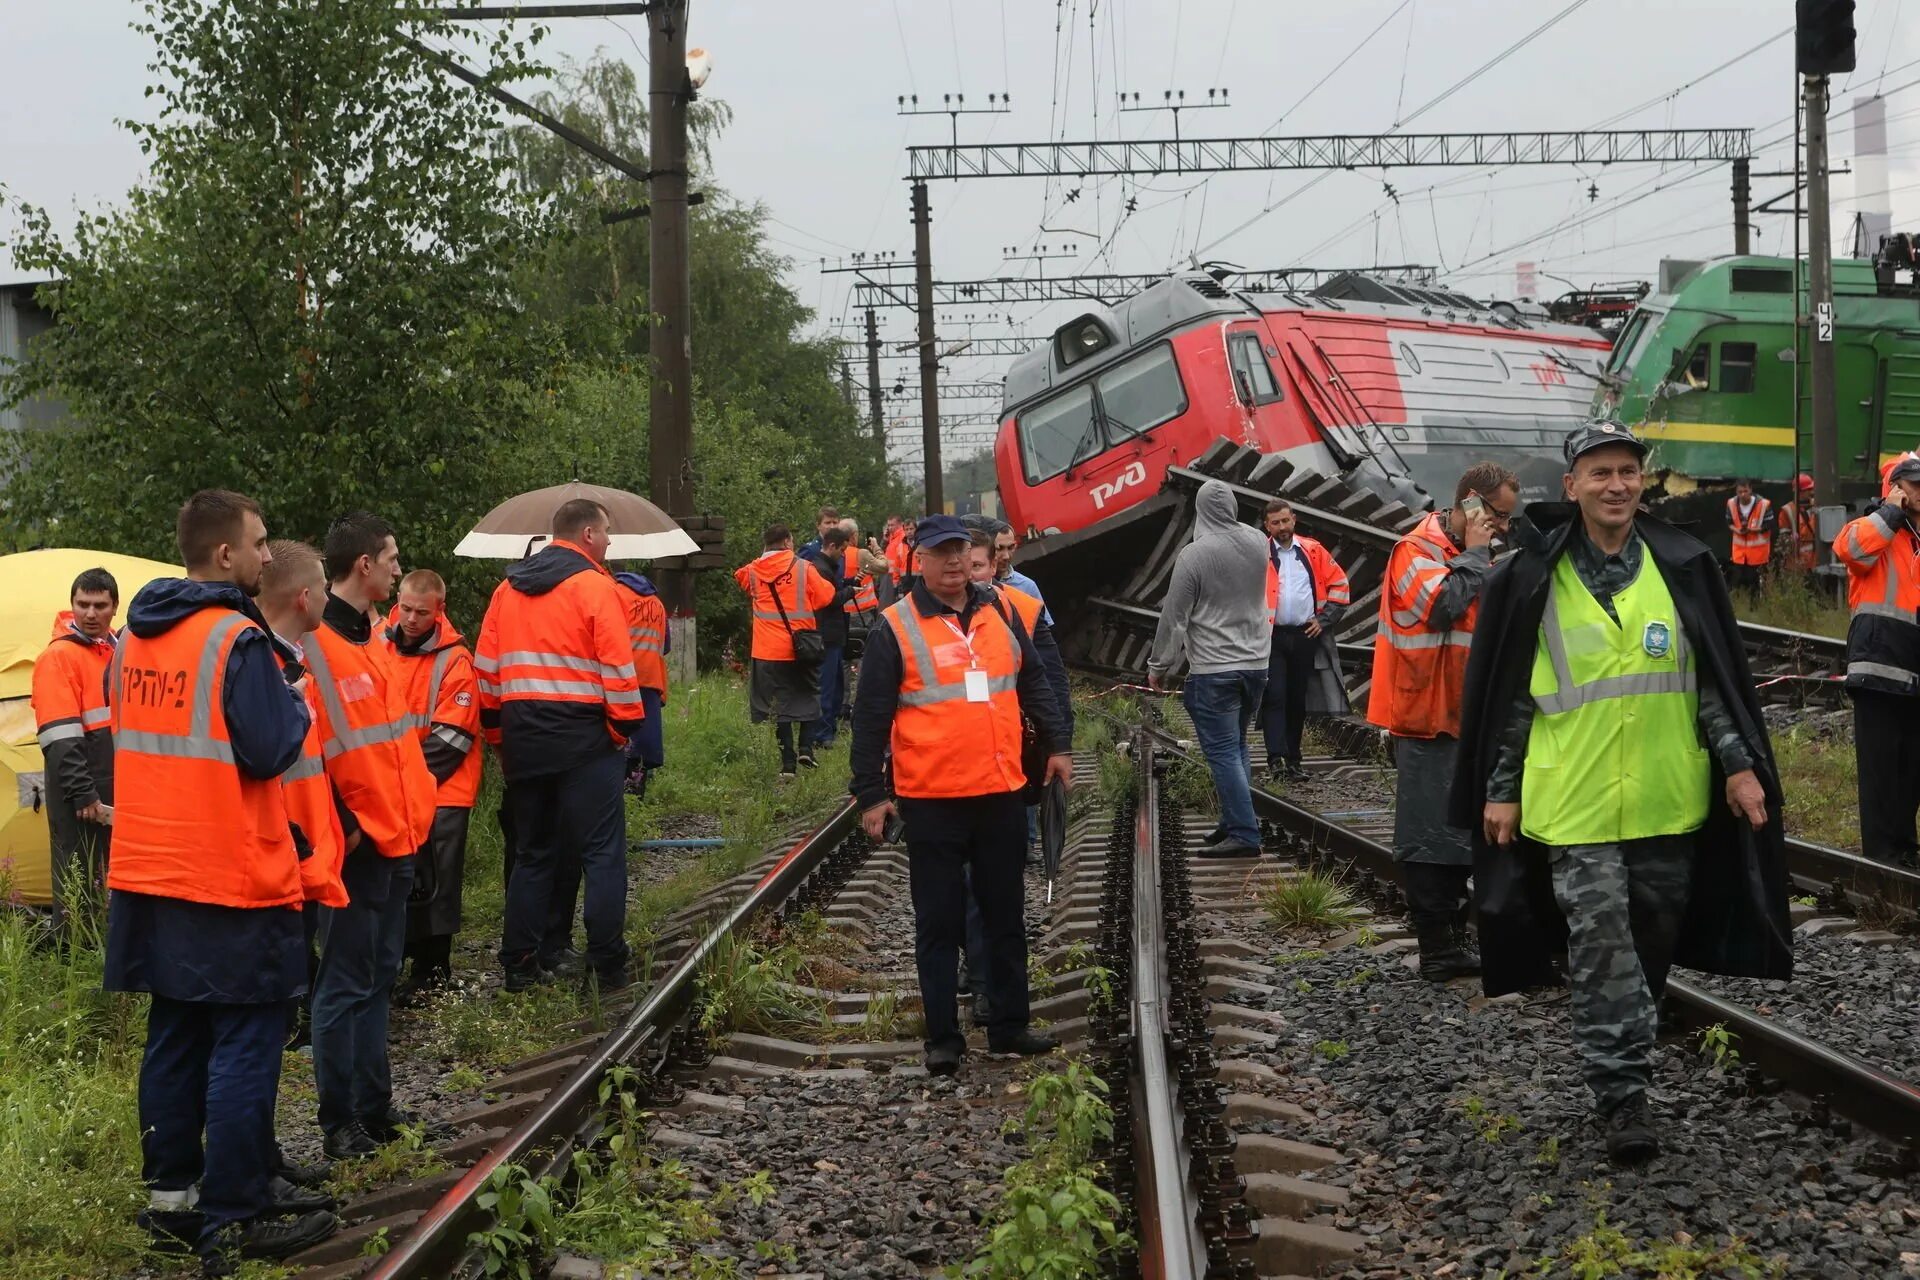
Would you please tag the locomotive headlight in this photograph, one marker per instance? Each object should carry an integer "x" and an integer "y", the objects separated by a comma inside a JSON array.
[{"x": 1081, "y": 338}]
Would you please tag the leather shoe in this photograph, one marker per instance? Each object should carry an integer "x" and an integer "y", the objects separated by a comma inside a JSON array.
[
  {"x": 273, "y": 1238},
  {"x": 1026, "y": 1042},
  {"x": 527, "y": 977},
  {"x": 289, "y": 1200},
  {"x": 1212, "y": 837},
  {"x": 1231, "y": 848},
  {"x": 615, "y": 980},
  {"x": 1630, "y": 1134},
  {"x": 385, "y": 1127},
  {"x": 171, "y": 1231},
  {"x": 349, "y": 1142},
  {"x": 300, "y": 1175},
  {"x": 943, "y": 1060}
]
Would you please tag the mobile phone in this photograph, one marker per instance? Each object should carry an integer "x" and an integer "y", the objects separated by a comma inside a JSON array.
[
  {"x": 1473, "y": 504},
  {"x": 895, "y": 830}
]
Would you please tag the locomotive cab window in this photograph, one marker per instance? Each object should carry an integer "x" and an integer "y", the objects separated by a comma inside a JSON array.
[
  {"x": 1736, "y": 367},
  {"x": 1250, "y": 368},
  {"x": 1127, "y": 400},
  {"x": 1696, "y": 370}
]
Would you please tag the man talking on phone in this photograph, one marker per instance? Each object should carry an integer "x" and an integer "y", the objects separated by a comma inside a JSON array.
[
  {"x": 944, "y": 682},
  {"x": 1427, "y": 605}
]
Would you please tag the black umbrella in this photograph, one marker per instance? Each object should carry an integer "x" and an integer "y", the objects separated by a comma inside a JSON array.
[{"x": 1053, "y": 830}]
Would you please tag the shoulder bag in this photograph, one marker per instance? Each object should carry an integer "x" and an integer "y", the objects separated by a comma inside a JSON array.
[{"x": 809, "y": 648}]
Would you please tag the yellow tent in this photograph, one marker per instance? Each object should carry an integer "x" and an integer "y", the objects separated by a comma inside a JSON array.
[{"x": 34, "y": 587}]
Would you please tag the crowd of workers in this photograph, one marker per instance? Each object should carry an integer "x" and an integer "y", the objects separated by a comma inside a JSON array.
[{"x": 280, "y": 769}]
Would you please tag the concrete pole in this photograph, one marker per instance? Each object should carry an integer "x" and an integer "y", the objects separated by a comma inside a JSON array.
[
  {"x": 670, "y": 298},
  {"x": 1826, "y": 436},
  {"x": 929, "y": 358}
]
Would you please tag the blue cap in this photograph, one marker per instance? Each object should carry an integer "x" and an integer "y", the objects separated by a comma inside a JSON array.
[
  {"x": 1599, "y": 434},
  {"x": 935, "y": 530}
]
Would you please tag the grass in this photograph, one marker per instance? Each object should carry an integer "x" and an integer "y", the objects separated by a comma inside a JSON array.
[
  {"x": 1821, "y": 783},
  {"x": 1790, "y": 602},
  {"x": 1308, "y": 901}
]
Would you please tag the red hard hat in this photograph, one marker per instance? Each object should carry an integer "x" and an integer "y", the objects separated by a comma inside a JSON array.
[{"x": 1805, "y": 482}]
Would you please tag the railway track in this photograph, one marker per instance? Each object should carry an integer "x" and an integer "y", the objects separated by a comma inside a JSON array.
[
  {"x": 848, "y": 1127},
  {"x": 1130, "y": 564}
]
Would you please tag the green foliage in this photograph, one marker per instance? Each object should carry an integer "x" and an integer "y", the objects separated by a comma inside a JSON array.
[
  {"x": 463, "y": 1079},
  {"x": 522, "y": 1226},
  {"x": 1332, "y": 1050},
  {"x": 1188, "y": 785},
  {"x": 1308, "y": 901},
  {"x": 1607, "y": 1251},
  {"x": 1719, "y": 1044},
  {"x": 377, "y": 1245},
  {"x": 1298, "y": 957},
  {"x": 1366, "y": 937},
  {"x": 407, "y": 1156},
  {"x": 1492, "y": 1126},
  {"x": 1100, "y": 982},
  {"x": 309, "y": 297},
  {"x": 1054, "y": 1221},
  {"x": 1549, "y": 1151},
  {"x": 751, "y": 986},
  {"x": 1359, "y": 979}
]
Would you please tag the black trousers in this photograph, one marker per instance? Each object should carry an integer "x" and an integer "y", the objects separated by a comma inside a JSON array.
[
  {"x": 569, "y": 826},
  {"x": 1283, "y": 711},
  {"x": 1886, "y": 744},
  {"x": 1436, "y": 893},
  {"x": 949, "y": 841}
]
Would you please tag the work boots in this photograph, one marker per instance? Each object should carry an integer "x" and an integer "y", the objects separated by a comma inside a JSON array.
[{"x": 1443, "y": 954}]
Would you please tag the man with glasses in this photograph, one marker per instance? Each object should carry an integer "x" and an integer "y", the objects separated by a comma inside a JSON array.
[{"x": 1427, "y": 607}]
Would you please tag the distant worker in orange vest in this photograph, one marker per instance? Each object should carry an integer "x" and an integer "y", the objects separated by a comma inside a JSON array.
[
  {"x": 560, "y": 698},
  {"x": 386, "y": 798},
  {"x": 1881, "y": 552},
  {"x": 1429, "y": 599},
  {"x": 785, "y": 684},
  {"x": 896, "y": 549},
  {"x": 1798, "y": 523},
  {"x": 1750, "y": 526},
  {"x": 436, "y": 668},
  {"x": 204, "y": 908},
  {"x": 944, "y": 684},
  {"x": 76, "y": 746},
  {"x": 647, "y": 629},
  {"x": 1307, "y": 591}
]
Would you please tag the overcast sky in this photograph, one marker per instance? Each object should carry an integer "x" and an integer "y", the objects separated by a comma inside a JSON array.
[{"x": 816, "y": 136}]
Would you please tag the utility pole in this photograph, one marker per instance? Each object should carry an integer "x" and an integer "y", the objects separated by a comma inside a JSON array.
[
  {"x": 1826, "y": 436},
  {"x": 669, "y": 298},
  {"x": 929, "y": 357},
  {"x": 846, "y": 382},
  {"x": 1742, "y": 198},
  {"x": 873, "y": 382}
]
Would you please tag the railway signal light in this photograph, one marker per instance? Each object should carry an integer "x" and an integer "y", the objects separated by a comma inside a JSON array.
[{"x": 1823, "y": 36}]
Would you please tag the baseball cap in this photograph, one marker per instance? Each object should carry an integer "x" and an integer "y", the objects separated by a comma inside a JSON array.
[
  {"x": 934, "y": 530},
  {"x": 1905, "y": 469},
  {"x": 1597, "y": 435}
]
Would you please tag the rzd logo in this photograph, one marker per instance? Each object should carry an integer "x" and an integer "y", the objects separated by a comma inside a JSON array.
[{"x": 1134, "y": 474}]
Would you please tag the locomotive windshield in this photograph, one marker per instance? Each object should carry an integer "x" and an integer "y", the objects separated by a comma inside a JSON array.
[{"x": 1126, "y": 400}]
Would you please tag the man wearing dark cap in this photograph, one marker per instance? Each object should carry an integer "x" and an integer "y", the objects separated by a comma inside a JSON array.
[
  {"x": 1616, "y": 768},
  {"x": 1881, "y": 551},
  {"x": 944, "y": 683}
]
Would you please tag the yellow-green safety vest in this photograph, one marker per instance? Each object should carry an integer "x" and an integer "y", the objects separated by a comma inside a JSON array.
[{"x": 1615, "y": 751}]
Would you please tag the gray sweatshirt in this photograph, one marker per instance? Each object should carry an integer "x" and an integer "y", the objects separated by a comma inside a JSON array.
[{"x": 1216, "y": 605}]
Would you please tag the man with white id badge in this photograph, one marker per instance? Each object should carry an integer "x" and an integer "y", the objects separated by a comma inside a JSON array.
[{"x": 943, "y": 685}]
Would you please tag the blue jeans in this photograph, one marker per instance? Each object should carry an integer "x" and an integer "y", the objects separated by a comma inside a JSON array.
[
  {"x": 569, "y": 827},
  {"x": 212, "y": 1068},
  {"x": 833, "y": 693},
  {"x": 361, "y": 947},
  {"x": 1223, "y": 706}
]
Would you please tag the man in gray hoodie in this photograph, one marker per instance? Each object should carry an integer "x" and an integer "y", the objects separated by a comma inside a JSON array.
[{"x": 1216, "y": 609}]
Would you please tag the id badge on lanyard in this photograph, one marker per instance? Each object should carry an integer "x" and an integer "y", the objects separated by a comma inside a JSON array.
[{"x": 976, "y": 676}]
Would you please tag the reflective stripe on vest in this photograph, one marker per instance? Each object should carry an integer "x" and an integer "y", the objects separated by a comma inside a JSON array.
[
  {"x": 303, "y": 768},
  {"x": 1614, "y": 752},
  {"x": 348, "y": 739},
  {"x": 800, "y": 610},
  {"x": 198, "y": 743},
  {"x": 1429, "y": 639},
  {"x": 936, "y": 690},
  {"x": 60, "y": 731}
]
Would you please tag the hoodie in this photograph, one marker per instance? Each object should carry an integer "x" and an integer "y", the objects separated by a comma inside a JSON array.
[
  {"x": 69, "y": 705},
  {"x": 1216, "y": 603},
  {"x": 266, "y": 721}
]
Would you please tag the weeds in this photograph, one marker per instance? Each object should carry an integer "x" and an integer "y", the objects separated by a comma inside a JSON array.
[
  {"x": 407, "y": 1156},
  {"x": 1308, "y": 901},
  {"x": 1366, "y": 937},
  {"x": 1720, "y": 1044},
  {"x": 748, "y": 986},
  {"x": 1298, "y": 957},
  {"x": 464, "y": 1079},
  {"x": 1606, "y": 1251},
  {"x": 1100, "y": 985},
  {"x": 1359, "y": 979},
  {"x": 1054, "y": 1220},
  {"x": 1549, "y": 1156},
  {"x": 1187, "y": 784},
  {"x": 1332, "y": 1050},
  {"x": 1492, "y": 1126},
  {"x": 522, "y": 1226},
  {"x": 1819, "y": 777}
]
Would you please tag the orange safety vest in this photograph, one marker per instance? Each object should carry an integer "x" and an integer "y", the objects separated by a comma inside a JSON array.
[
  {"x": 443, "y": 702},
  {"x": 1800, "y": 514},
  {"x": 1752, "y": 545},
  {"x": 897, "y": 553},
  {"x": 945, "y": 746},
  {"x": 310, "y": 807},
  {"x": 1883, "y": 593},
  {"x": 69, "y": 698},
  {"x": 647, "y": 629},
  {"x": 372, "y": 754},
  {"x": 187, "y": 823},
  {"x": 799, "y": 592},
  {"x": 1330, "y": 584},
  {"x": 1419, "y": 675},
  {"x": 865, "y": 598},
  {"x": 1024, "y": 603}
]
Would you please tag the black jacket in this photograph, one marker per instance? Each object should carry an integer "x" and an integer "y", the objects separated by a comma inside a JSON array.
[
  {"x": 831, "y": 618},
  {"x": 1736, "y": 921}
]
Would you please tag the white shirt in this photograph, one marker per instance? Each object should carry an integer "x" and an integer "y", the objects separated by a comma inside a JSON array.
[{"x": 1296, "y": 585}]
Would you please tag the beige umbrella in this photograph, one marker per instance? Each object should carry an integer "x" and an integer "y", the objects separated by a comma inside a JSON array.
[{"x": 520, "y": 525}]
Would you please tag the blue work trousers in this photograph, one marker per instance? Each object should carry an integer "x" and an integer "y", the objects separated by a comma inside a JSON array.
[
  {"x": 568, "y": 828},
  {"x": 647, "y": 748},
  {"x": 361, "y": 947},
  {"x": 961, "y": 849},
  {"x": 208, "y": 1082},
  {"x": 1222, "y": 706},
  {"x": 833, "y": 696}
]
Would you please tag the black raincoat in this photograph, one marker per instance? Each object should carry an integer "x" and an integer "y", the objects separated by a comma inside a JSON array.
[{"x": 1736, "y": 921}]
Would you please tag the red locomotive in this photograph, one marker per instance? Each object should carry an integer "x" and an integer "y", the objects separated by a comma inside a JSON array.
[{"x": 1397, "y": 387}]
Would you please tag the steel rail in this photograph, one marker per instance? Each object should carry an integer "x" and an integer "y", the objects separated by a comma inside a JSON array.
[
  {"x": 1170, "y": 1244},
  {"x": 1851, "y": 1087},
  {"x": 436, "y": 1245}
]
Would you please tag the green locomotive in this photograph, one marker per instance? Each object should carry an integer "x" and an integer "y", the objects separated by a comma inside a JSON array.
[{"x": 1704, "y": 372}]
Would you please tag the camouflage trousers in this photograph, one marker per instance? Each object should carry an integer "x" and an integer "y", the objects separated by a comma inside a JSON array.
[{"x": 1624, "y": 903}]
